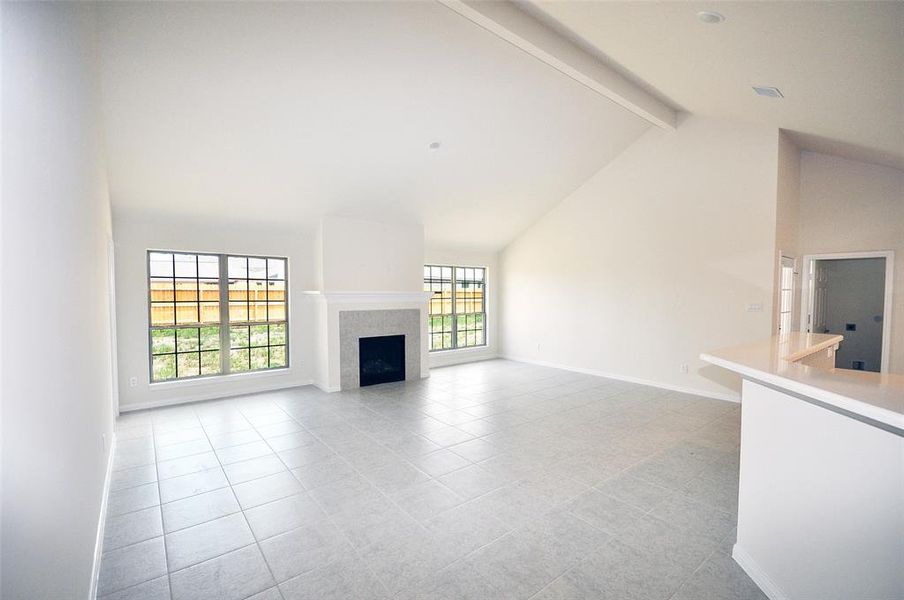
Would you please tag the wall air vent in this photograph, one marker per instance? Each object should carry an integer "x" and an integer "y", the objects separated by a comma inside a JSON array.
[{"x": 768, "y": 91}]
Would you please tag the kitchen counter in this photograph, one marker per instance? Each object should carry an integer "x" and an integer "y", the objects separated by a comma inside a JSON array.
[
  {"x": 821, "y": 486},
  {"x": 877, "y": 398}
]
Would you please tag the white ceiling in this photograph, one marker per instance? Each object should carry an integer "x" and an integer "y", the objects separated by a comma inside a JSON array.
[
  {"x": 840, "y": 65},
  {"x": 286, "y": 112}
]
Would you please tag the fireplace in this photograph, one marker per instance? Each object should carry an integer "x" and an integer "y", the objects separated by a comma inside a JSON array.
[
  {"x": 381, "y": 359},
  {"x": 358, "y": 329}
]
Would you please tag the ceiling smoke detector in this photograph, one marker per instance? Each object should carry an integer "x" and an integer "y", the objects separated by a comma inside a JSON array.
[
  {"x": 771, "y": 92},
  {"x": 434, "y": 146},
  {"x": 711, "y": 17}
]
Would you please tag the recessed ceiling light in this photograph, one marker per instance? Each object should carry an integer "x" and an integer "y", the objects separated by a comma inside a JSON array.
[
  {"x": 434, "y": 145},
  {"x": 771, "y": 92},
  {"x": 710, "y": 16}
]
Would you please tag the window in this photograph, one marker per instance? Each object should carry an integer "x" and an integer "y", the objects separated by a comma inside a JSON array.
[
  {"x": 257, "y": 313},
  {"x": 457, "y": 310},
  {"x": 212, "y": 314}
]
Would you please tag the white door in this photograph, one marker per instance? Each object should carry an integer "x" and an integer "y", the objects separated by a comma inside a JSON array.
[{"x": 818, "y": 286}]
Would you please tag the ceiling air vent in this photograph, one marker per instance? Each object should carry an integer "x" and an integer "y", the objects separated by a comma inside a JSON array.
[{"x": 768, "y": 91}]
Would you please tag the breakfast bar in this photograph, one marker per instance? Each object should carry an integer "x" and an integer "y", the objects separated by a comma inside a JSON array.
[{"x": 821, "y": 494}]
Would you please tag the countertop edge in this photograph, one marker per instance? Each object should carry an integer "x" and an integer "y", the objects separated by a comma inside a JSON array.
[{"x": 892, "y": 421}]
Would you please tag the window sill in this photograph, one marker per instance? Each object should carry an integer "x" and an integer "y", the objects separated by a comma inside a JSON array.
[{"x": 213, "y": 379}]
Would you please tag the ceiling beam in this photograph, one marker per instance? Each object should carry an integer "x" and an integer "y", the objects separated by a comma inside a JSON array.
[{"x": 507, "y": 21}]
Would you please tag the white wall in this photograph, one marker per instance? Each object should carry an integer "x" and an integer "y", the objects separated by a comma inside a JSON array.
[
  {"x": 56, "y": 378},
  {"x": 370, "y": 256},
  {"x": 855, "y": 293},
  {"x": 135, "y": 235},
  {"x": 652, "y": 261},
  {"x": 436, "y": 255},
  {"x": 849, "y": 206}
]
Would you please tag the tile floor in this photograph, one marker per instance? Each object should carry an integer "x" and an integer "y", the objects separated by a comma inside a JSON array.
[{"x": 488, "y": 480}]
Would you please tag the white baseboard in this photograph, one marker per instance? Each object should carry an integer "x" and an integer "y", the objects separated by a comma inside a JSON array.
[
  {"x": 102, "y": 520},
  {"x": 726, "y": 396},
  {"x": 188, "y": 398},
  {"x": 325, "y": 388},
  {"x": 758, "y": 576}
]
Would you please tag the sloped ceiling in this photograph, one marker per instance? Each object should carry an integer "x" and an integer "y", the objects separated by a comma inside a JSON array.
[
  {"x": 840, "y": 65},
  {"x": 289, "y": 111}
]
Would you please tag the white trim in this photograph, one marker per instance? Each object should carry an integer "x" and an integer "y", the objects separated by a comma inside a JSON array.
[
  {"x": 368, "y": 297},
  {"x": 186, "y": 399},
  {"x": 325, "y": 388},
  {"x": 102, "y": 520},
  {"x": 726, "y": 396},
  {"x": 759, "y": 577},
  {"x": 806, "y": 300}
]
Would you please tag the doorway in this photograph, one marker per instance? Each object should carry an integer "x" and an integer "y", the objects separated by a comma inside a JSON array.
[{"x": 850, "y": 294}]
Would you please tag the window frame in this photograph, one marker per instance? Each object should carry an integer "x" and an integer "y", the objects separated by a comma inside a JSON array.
[
  {"x": 223, "y": 322},
  {"x": 455, "y": 314}
]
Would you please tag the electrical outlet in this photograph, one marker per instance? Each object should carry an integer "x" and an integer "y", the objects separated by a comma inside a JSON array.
[
  {"x": 683, "y": 367},
  {"x": 538, "y": 346},
  {"x": 755, "y": 307},
  {"x": 103, "y": 442},
  {"x": 133, "y": 381}
]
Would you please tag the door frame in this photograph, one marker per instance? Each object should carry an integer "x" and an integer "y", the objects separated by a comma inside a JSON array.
[{"x": 806, "y": 299}]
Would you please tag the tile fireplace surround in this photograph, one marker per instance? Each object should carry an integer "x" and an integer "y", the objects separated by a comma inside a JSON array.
[
  {"x": 356, "y": 324},
  {"x": 341, "y": 318}
]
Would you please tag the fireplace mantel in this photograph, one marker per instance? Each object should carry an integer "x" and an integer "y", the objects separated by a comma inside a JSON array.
[
  {"x": 328, "y": 308},
  {"x": 368, "y": 297}
]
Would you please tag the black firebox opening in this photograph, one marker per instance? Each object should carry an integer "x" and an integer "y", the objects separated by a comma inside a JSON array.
[{"x": 381, "y": 359}]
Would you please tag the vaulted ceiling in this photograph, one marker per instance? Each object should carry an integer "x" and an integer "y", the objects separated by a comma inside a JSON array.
[
  {"x": 840, "y": 65},
  {"x": 283, "y": 112}
]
